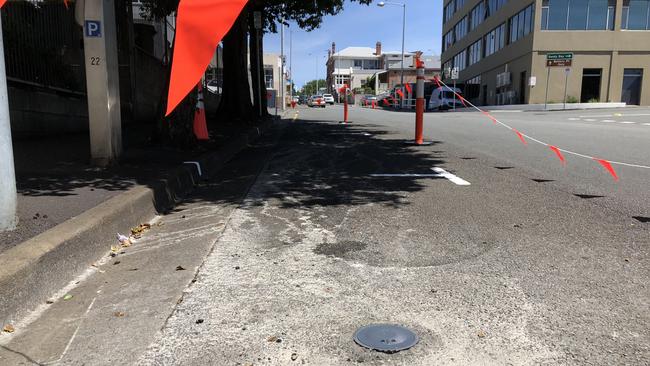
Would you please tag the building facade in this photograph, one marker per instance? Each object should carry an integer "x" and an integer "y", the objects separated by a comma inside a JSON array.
[
  {"x": 500, "y": 48},
  {"x": 381, "y": 71}
]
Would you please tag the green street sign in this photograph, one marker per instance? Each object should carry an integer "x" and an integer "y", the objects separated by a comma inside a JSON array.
[{"x": 559, "y": 56}]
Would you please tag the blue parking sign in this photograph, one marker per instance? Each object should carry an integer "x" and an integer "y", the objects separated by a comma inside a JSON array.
[{"x": 93, "y": 28}]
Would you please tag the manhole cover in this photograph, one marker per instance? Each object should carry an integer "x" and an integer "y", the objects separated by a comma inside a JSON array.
[{"x": 385, "y": 338}]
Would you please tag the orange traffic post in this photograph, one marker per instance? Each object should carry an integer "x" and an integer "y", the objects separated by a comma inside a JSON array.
[
  {"x": 345, "y": 109},
  {"x": 419, "y": 104}
]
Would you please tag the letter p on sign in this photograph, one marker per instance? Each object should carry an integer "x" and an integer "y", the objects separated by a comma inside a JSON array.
[{"x": 93, "y": 29}]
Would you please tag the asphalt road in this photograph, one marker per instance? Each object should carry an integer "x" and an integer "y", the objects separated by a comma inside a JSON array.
[{"x": 345, "y": 225}]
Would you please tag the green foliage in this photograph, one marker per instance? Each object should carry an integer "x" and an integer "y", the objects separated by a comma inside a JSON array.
[
  {"x": 309, "y": 89},
  {"x": 572, "y": 99},
  {"x": 308, "y": 14}
]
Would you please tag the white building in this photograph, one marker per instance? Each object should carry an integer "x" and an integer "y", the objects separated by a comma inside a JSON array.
[{"x": 352, "y": 66}]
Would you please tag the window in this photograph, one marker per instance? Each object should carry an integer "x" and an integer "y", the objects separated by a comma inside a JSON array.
[
  {"x": 460, "y": 4},
  {"x": 477, "y": 16},
  {"x": 358, "y": 64},
  {"x": 448, "y": 40},
  {"x": 492, "y": 6},
  {"x": 461, "y": 29},
  {"x": 521, "y": 24},
  {"x": 636, "y": 15},
  {"x": 460, "y": 60},
  {"x": 450, "y": 9},
  {"x": 495, "y": 40},
  {"x": 268, "y": 78},
  {"x": 475, "y": 52},
  {"x": 578, "y": 14},
  {"x": 370, "y": 64}
]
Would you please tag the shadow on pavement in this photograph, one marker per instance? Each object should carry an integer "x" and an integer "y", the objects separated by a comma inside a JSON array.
[{"x": 320, "y": 163}]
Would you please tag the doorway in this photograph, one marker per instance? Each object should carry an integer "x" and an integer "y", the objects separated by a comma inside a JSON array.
[
  {"x": 522, "y": 88},
  {"x": 484, "y": 95},
  {"x": 632, "y": 79},
  {"x": 591, "y": 80}
]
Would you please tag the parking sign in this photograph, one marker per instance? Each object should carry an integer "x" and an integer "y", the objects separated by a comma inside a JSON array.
[{"x": 93, "y": 29}]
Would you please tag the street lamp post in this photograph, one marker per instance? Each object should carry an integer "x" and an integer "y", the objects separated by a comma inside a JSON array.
[{"x": 382, "y": 4}]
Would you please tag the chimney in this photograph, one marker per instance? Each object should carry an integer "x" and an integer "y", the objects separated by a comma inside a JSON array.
[
  {"x": 378, "y": 49},
  {"x": 333, "y": 48}
]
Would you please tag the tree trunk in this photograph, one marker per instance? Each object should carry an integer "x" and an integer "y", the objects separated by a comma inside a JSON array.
[{"x": 236, "y": 102}]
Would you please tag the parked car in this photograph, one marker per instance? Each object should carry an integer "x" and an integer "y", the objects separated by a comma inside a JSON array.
[
  {"x": 329, "y": 99},
  {"x": 443, "y": 98},
  {"x": 316, "y": 101},
  {"x": 302, "y": 99},
  {"x": 368, "y": 99}
]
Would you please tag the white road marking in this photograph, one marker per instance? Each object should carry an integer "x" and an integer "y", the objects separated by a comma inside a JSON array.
[
  {"x": 406, "y": 175},
  {"x": 628, "y": 123},
  {"x": 608, "y": 121},
  {"x": 617, "y": 115},
  {"x": 574, "y": 119},
  {"x": 454, "y": 179},
  {"x": 590, "y": 120},
  {"x": 646, "y": 124}
]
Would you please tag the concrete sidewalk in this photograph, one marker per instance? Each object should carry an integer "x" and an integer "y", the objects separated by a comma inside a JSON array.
[{"x": 70, "y": 212}]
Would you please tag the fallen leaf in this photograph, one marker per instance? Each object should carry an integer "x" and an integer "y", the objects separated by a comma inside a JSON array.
[
  {"x": 180, "y": 268},
  {"x": 119, "y": 314},
  {"x": 115, "y": 249},
  {"x": 294, "y": 356},
  {"x": 67, "y": 297},
  {"x": 481, "y": 334},
  {"x": 199, "y": 321},
  {"x": 116, "y": 263},
  {"x": 8, "y": 328},
  {"x": 49, "y": 302},
  {"x": 272, "y": 339}
]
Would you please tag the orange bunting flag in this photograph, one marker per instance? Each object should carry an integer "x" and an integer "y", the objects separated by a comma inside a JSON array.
[
  {"x": 2, "y": 3},
  {"x": 200, "y": 26},
  {"x": 608, "y": 166},
  {"x": 462, "y": 100},
  {"x": 558, "y": 153},
  {"x": 408, "y": 88},
  {"x": 400, "y": 93},
  {"x": 521, "y": 137},
  {"x": 494, "y": 120},
  {"x": 66, "y": 3}
]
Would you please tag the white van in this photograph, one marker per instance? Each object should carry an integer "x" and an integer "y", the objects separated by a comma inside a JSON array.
[{"x": 442, "y": 98}]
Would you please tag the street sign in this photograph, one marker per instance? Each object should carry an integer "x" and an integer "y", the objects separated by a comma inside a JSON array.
[
  {"x": 559, "y": 63},
  {"x": 564, "y": 59},
  {"x": 454, "y": 73},
  {"x": 559, "y": 56},
  {"x": 93, "y": 29},
  {"x": 567, "y": 71}
]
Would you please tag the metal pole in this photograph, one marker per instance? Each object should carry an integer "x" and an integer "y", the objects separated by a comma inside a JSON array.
[
  {"x": 8, "y": 195},
  {"x": 454, "y": 94},
  {"x": 291, "y": 64},
  {"x": 282, "y": 85},
  {"x": 403, "y": 41},
  {"x": 566, "y": 82},
  {"x": 548, "y": 77}
]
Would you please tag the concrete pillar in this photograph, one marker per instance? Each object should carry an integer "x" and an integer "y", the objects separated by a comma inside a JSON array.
[
  {"x": 102, "y": 79},
  {"x": 8, "y": 219}
]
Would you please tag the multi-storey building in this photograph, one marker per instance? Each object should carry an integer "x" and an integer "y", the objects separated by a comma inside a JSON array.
[{"x": 500, "y": 48}]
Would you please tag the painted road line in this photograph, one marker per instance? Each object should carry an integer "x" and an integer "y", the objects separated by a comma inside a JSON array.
[
  {"x": 454, "y": 179},
  {"x": 608, "y": 121},
  {"x": 628, "y": 123},
  {"x": 617, "y": 115},
  {"x": 590, "y": 120},
  {"x": 574, "y": 119},
  {"x": 646, "y": 124},
  {"x": 406, "y": 175}
]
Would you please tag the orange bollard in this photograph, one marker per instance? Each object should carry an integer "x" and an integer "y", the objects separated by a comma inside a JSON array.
[{"x": 419, "y": 104}]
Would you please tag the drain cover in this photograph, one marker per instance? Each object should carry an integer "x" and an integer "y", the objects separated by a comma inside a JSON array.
[{"x": 385, "y": 338}]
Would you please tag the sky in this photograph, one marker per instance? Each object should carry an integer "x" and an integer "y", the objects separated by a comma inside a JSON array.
[{"x": 361, "y": 26}]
